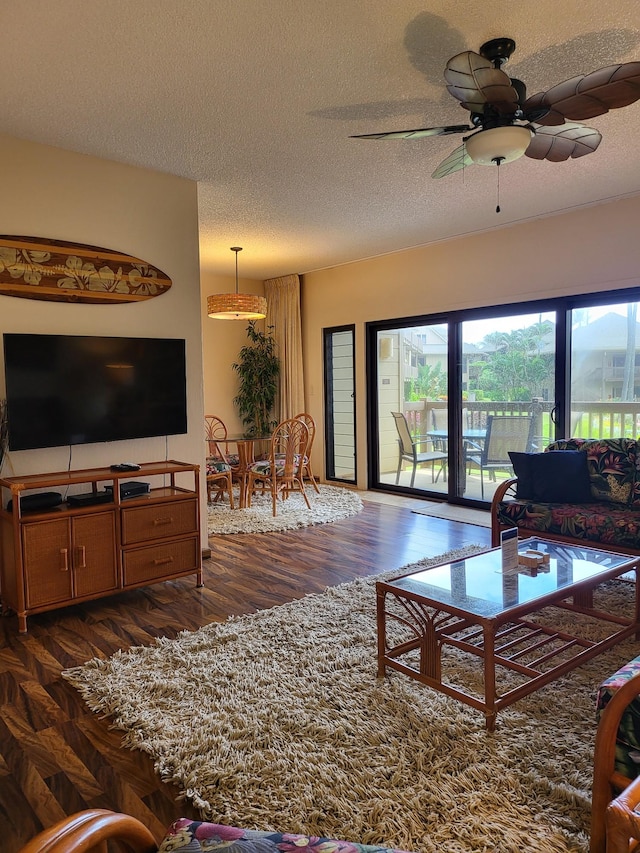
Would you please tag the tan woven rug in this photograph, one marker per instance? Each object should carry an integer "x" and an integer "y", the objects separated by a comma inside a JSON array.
[
  {"x": 277, "y": 721},
  {"x": 331, "y": 503}
]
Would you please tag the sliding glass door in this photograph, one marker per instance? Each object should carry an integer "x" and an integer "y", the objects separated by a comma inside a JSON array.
[
  {"x": 506, "y": 396},
  {"x": 412, "y": 410},
  {"x": 605, "y": 371},
  {"x": 450, "y": 395}
]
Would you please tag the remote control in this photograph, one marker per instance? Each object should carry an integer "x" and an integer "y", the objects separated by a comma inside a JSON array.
[{"x": 126, "y": 466}]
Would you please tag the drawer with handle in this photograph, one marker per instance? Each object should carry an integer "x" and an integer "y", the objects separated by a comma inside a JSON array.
[
  {"x": 160, "y": 562},
  {"x": 162, "y": 520}
]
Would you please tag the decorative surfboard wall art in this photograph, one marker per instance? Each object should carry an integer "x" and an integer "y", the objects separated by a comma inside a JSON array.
[{"x": 55, "y": 270}]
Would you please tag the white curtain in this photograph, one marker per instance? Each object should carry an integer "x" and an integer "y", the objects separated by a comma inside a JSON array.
[{"x": 283, "y": 313}]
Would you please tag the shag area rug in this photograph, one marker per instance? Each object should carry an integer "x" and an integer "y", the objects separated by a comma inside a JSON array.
[
  {"x": 332, "y": 504},
  {"x": 277, "y": 721}
]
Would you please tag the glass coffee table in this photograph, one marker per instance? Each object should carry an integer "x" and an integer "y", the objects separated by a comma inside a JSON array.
[{"x": 476, "y": 607}]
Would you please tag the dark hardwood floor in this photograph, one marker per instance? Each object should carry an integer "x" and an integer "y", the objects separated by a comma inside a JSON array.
[{"x": 56, "y": 757}]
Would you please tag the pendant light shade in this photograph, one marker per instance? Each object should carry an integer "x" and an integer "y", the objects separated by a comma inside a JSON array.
[{"x": 236, "y": 306}]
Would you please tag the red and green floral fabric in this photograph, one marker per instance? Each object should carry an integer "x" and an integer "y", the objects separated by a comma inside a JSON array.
[
  {"x": 613, "y": 467},
  {"x": 194, "y": 836},
  {"x": 628, "y": 739},
  {"x": 593, "y": 522}
]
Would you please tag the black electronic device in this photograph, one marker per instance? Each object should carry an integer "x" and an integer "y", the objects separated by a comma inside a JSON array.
[
  {"x": 126, "y": 466},
  {"x": 40, "y": 500},
  {"x": 78, "y": 389},
  {"x": 89, "y": 498},
  {"x": 131, "y": 489}
]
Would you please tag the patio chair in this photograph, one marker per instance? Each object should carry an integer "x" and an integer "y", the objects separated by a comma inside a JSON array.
[
  {"x": 440, "y": 418},
  {"x": 281, "y": 473},
  {"x": 409, "y": 451},
  {"x": 504, "y": 433}
]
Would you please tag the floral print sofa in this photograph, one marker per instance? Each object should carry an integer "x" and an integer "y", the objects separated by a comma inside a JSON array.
[{"x": 608, "y": 519}]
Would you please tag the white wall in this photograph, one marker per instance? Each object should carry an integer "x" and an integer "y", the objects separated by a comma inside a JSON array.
[
  {"x": 588, "y": 250},
  {"x": 48, "y": 192}
]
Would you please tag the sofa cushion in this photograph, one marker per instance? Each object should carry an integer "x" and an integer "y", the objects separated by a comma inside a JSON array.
[
  {"x": 194, "y": 836},
  {"x": 593, "y": 522},
  {"x": 557, "y": 476},
  {"x": 612, "y": 467}
]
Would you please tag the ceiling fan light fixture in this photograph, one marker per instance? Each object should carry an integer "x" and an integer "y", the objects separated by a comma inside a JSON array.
[
  {"x": 236, "y": 306},
  {"x": 498, "y": 144}
]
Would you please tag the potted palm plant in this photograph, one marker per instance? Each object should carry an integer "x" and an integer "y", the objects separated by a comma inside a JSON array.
[{"x": 258, "y": 368}]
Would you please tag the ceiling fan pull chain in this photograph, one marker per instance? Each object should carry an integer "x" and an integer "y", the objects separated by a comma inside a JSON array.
[{"x": 497, "y": 161}]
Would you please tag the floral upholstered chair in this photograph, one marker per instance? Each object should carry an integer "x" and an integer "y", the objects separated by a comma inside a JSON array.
[
  {"x": 281, "y": 472},
  {"x": 91, "y": 830},
  {"x": 616, "y": 762},
  {"x": 221, "y": 465}
]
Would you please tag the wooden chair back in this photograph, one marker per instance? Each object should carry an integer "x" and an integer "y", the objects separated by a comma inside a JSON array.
[
  {"x": 307, "y": 469},
  {"x": 215, "y": 433},
  {"x": 289, "y": 446},
  {"x": 90, "y": 831}
]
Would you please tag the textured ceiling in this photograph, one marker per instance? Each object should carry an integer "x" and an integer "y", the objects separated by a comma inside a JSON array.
[{"x": 256, "y": 100}]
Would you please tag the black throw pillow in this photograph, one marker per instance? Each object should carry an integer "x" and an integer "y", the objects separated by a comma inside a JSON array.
[
  {"x": 557, "y": 476},
  {"x": 522, "y": 470}
]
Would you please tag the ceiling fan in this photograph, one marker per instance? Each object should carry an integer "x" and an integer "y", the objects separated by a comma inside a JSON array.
[{"x": 505, "y": 123}]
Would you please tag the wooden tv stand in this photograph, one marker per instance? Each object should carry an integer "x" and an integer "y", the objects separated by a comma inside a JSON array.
[{"x": 52, "y": 557}]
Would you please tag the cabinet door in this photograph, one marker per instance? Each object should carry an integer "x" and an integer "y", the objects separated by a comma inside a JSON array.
[
  {"x": 95, "y": 567},
  {"x": 47, "y": 562}
]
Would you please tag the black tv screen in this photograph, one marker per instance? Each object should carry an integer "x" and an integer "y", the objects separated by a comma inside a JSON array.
[{"x": 68, "y": 389}]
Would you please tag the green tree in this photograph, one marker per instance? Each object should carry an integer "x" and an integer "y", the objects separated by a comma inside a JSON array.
[
  {"x": 516, "y": 366},
  {"x": 430, "y": 383}
]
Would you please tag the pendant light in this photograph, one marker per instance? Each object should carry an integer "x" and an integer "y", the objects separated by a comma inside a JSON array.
[{"x": 236, "y": 306}]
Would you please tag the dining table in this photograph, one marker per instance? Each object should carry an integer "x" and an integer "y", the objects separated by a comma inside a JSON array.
[
  {"x": 467, "y": 434},
  {"x": 246, "y": 446},
  {"x": 476, "y": 436}
]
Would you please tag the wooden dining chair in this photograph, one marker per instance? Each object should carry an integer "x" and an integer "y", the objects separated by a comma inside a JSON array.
[
  {"x": 281, "y": 472},
  {"x": 215, "y": 433},
  {"x": 220, "y": 470},
  {"x": 306, "y": 466}
]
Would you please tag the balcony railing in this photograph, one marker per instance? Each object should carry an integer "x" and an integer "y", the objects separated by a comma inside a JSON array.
[{"x": 588, "y": 420}]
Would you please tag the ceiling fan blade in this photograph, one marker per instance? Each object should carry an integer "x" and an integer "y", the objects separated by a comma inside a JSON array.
[
  {"x": 562, "y": 142},
  {"x": 457, "y": 160},
  {"x": 588, "y": 96},
  {"x": 416, "y": 134},
  {"x": 474, "y": 81}
]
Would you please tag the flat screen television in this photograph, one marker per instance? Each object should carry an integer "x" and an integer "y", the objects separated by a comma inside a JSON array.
[{"x": 74, "y": 389}]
